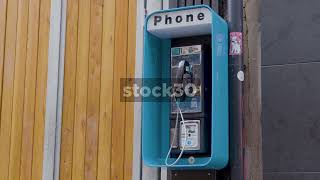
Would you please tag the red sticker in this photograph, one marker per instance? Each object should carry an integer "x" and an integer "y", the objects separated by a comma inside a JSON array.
[{"x": 235, "y": 43}]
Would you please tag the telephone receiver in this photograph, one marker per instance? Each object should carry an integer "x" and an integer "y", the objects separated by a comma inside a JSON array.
[{"x": 184, "y": 76}]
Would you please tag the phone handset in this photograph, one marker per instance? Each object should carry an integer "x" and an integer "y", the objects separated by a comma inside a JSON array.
[
  {"x": 184, "y": 76},
  {"x": 184, "y": 73}
]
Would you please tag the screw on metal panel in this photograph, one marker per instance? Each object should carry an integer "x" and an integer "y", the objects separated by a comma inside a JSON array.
[
  {"x": 209, "y": 174},
  {"x": 175, "y": 174},
  {"x": 191, "y": 160}
]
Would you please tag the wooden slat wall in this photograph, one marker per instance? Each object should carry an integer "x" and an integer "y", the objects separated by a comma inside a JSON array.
[
  {"x": 97, "y": 129},
  {"x": 24, "y": 40}
]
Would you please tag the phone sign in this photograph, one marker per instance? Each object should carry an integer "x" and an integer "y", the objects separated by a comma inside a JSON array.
[{"x": 196, "y": 21}]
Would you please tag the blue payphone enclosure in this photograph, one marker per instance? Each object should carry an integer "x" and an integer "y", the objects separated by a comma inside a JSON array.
[{"x": 155, "y": 115}]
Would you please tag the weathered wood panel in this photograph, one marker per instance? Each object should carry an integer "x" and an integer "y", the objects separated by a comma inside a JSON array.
[
  {"x": 68, "y": 114},
  {"x": 3, "y": 20},
  {"x": 252, "y": 91},
  {"x": 7, "y": 93},
  {"x": 106, "y": 93},
  {"x": 131, "y": 54},
  {"x": 30, "y": 92},
  {"x": 18, "y": 94},
  {"x": 41, "y": 90},
  {"x": 94, "y": 81},
  {"x": 119, "y": 110},
  {"x": 24, "y": 36},
  {"x": 97, "y": 128},
  {"x": 81, "y": 91}
]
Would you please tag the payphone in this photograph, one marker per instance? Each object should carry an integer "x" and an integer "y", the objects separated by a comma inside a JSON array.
[{"x": 189, "y": 129}]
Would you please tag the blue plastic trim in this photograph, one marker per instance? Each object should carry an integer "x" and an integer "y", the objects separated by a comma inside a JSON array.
[{"x": 155, "y": 115}]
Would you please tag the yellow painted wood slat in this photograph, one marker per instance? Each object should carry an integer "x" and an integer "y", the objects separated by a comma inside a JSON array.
[
  {"x": 94, "y": 89},
  {"x": 3, "y": 18},
  {"x": 41, "y": 89},
  {"x": 106, "y": 94},
  {"x": 128, "y": 153},
  {"x": 7, "y": 94},
  {"x": 69, "y": 90},
  {"x": 18, "y": 94},
  {"x": 30, "y": 86},
  {"x": 78, "y": 167},
  {"x": 119, "y": 110}
]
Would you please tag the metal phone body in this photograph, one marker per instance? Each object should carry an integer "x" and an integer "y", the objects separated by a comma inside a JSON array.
[{"x": 196, "y": 110}]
